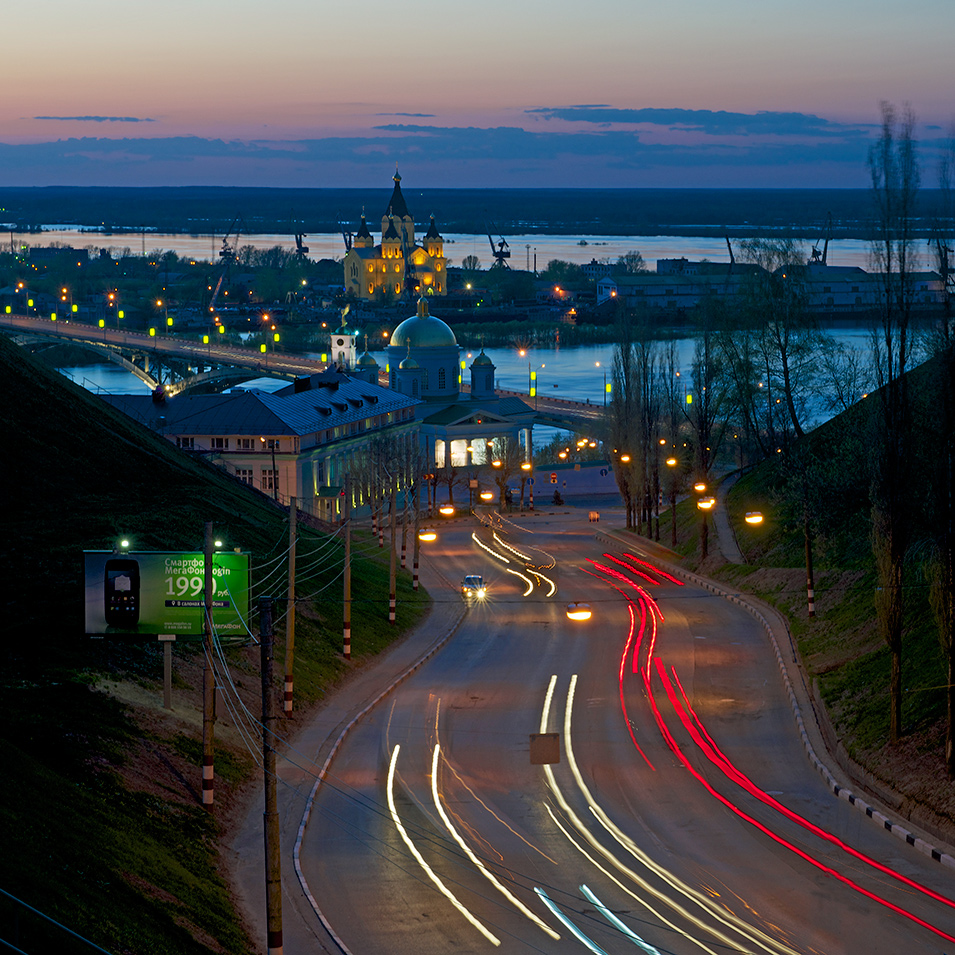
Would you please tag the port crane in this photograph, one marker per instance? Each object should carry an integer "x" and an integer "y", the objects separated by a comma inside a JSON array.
[
  {"x": 817, "y": 257},
  {"x": 501, "y": 251},
  {"x": 228, "y": 254}
]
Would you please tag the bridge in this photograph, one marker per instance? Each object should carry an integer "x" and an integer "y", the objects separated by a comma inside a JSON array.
[
  {"x": 178, "y": 364},
  {"x": 182, "y": 364}
]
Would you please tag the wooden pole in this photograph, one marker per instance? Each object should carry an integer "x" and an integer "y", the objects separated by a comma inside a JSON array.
[
  {"x": 392, "y": 570},
  {"x": 290, "y": 619},
  {"x": 273, "y": 858},
  {"x": 417, "y": 528},
  {"x": 208, "y": 679},
  {"x": 346, "y": 608}
]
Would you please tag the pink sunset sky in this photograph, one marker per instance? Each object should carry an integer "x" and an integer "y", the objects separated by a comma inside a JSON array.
[{"x": 526, "y": 93}]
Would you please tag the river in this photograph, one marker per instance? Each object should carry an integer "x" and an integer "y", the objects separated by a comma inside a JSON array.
[
  {"x": 527, "y": 251},
  {"x": 578, "y": 373}
]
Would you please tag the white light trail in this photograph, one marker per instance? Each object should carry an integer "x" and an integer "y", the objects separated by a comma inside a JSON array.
[
  {"x": 484, "y": 546},
  {"x": 481, "y": 867},
  {"x": 726, "y": 918},
  {"x": 527, "y": 580},
  {"x": 413, "y": 849}
]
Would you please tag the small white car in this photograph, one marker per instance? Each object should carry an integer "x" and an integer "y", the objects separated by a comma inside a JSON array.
[{"x": 473, "y": 586}]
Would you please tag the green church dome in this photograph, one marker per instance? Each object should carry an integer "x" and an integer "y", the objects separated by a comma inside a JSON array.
[{"x": 423, "y": 331}]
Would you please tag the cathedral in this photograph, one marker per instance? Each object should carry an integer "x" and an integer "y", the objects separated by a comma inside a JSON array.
[{"x": 400, "y": 265}]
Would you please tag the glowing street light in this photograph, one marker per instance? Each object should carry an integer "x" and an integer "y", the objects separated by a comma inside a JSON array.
[{"x": 753, "y": 517}]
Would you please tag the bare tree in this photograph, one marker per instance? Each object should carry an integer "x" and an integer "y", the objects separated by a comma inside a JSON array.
[
  {"x": 895, "y": 177},
  {"x": 631, "y": 262},
  {"x": 942, "y": 347},
  {"x": 707, "y": 404},
  {"x": 776, "y": 299}
]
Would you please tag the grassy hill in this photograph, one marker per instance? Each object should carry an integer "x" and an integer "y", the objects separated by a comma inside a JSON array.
[
  {"x": 99, "y": 812},
  {"x": 846, "y": 660}
]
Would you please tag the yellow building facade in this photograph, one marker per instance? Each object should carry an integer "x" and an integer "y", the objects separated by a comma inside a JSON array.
[{"x": 400, "y": 264}]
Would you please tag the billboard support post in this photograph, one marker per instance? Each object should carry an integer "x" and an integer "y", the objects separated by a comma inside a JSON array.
[
  {"x": 208, "y": 680},
  {"x": 167, "y": 641}
]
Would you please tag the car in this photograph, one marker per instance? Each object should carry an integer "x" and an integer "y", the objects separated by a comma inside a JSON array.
[{"x": 473, "y": 586}]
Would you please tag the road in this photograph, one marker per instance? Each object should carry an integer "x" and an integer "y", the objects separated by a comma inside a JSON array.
[{"x": 434, "y": 833}]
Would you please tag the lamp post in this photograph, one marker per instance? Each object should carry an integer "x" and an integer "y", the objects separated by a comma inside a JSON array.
[
  {"x": 525, "y": 474},
  {"x": 607, "y": 387},
  {"x": 705, "y": 505},
  {"x": 672, "y": 463}
]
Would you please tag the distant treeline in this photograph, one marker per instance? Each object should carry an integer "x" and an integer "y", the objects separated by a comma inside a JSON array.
[{"x": 802, "y": 213}]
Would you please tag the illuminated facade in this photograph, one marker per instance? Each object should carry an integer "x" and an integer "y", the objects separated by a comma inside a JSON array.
[{"x": 400, "y": 264}]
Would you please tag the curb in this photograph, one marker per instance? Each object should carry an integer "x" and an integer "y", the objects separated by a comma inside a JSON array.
[
  {"x": 842, "y": 792},
  {"x": 323, "y": 772}
]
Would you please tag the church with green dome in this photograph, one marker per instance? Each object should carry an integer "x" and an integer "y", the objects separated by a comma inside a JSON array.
[{"x": 461, "y": 424}]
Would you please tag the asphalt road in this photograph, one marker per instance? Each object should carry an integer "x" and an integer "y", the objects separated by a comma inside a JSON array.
[{"x": 671, "y": 822}]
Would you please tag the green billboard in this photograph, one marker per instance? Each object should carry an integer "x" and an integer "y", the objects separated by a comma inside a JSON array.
[{"x": 159, "y": 592}]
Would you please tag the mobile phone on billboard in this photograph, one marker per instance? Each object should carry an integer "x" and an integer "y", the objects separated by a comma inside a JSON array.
[{"x": 121, "y": 593}]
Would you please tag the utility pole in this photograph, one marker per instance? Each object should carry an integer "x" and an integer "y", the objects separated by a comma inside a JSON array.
[
  {"x": 273, "y": 858},
  {"x": 290, "y": 618},
  {"x": 208, "y": 678},
  {"x": 416, "y": 491},
  {"x": 810, "y": 584},
  {"x": 392, "y": 575},
  {"x": 346, "y": 606}
]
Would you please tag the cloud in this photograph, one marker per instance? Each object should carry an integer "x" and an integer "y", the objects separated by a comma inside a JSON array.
[
  {"x": 708, "y": 122},
  {"x": 409, "y": 115},
  {"x": 777, "y": 149},
  {"x": 98, "y": 119}
]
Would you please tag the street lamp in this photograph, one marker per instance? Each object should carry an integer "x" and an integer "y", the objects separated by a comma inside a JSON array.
[
  {"x": 525, "y": 474},
  {"x": 607, "y": 386}
]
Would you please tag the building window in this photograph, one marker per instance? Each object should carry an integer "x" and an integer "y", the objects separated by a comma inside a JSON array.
[
  {"x": 220, "y": 444},
  {"x": 273, "y": 444},
  {"x": 442, "y": 378},
  {"x": 270, "y": 480},
  {"x": 188, "y": 444},
  {"x": 244, "y": 475},
  {"x": 243, "y": 444}
]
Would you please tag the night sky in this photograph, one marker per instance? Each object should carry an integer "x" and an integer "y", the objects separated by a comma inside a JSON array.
[{"x": 514, "y": 94}]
